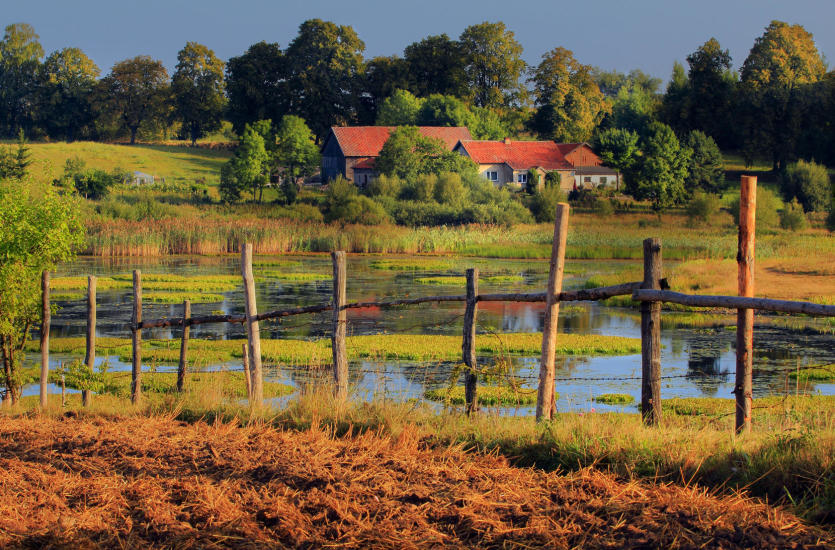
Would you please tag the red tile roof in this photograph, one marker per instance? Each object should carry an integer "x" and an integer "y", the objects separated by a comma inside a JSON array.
[
  {"x": 566, "y": 148},
  {"x": 366, "y": 141},
  {"x": 367, "y": 163},
  {"x": 519, "y": 155}
]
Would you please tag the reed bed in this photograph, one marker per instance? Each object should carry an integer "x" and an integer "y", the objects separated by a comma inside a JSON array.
[{"x": 153, "y": 482}]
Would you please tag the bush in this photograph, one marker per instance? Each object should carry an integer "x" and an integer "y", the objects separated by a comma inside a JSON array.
[
  {"x": 384, "y": 186},
  {"x": 533, "y": 181},
  {"x": 420, "y": 188},
  {"x": 603, "y": 207},
  {"x": 450, "y": 190},
  {"x": 767, "y": 206},
  {"x": 792, "y": 217},
  {"x": 809, "y": 183},
  {"x": 553, "y": 179},
  {"x": 543, "y": 204},
  {"x": 703, "y": 207},
  {"x": 95, "y": 184},
  {"x": 338, "y": 198}
]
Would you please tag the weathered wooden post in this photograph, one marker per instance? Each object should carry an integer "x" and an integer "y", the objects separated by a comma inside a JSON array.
[
  {"x": 468, "y": 343},
  {"x": 63, "y": 388},
  {"x": 46, "y": 320},
  {"x": 651, "y": 336},
  {"x": 136, "y": 319},
  {"x": 252, "y": 328},
  {"x": 545, "y": 394},
  {"x": 744, "y": 387},
  {"x": 90, "y": 357},
  {"x": 340, "y": 320},
  {"x": 247, "y": 373},
  {"x": 181, "y": 367}
]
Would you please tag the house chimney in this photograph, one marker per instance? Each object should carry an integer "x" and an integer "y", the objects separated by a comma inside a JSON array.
[{"x": 507, "y": 141}]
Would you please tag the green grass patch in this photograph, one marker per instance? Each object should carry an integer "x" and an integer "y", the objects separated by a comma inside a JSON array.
[
  {"x": 815, "y": 374},
  {"x": 276, "y": 263},
  {"x": 442, "y": 281},
  {"x": 80, "y": 283},
  {"x": 410, "y": 265},
  {"x": 294, "y": 277},
  {"x": 180, "y": 297},
  {"x": 614, "y": 399},
  {"x": 487, "y": 395}
]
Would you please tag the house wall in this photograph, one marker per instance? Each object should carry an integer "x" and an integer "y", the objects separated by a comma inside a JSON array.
[
  {"x": 595, "y": 181},
  {"x": 505, "y": 174},
  {"x": 333, "y": 161},
  {"x": 583, "y": 156},
  {"x": 362, "y": 176}
]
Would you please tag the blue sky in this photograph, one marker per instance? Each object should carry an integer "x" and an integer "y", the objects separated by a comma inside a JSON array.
[{"x": 612, "y": 34}]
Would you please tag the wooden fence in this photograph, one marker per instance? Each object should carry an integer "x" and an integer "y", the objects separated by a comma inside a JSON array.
[{"x": 650, "y": 292}]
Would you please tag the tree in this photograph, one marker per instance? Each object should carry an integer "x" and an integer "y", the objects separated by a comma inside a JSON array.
[
  {"x": 706, "y": 171},
  {"x": 14, "y": 164},
  {"x": 781, "y": 63},
  {"x": 618, "y": 148},
  {"x": 633, "y": 109},
  {"x": 444, "y": 110},
  {"x": 256, "y": 85},
  {"x": 569, "y": 103},
  {"x": 198, "y": 90},
  {"x": 67, "y": 80},
  {"x": 493, "y": 66},
  {"x": 295, "y": 150},
  {"x": 399, "y": 109},
  {"x": 662, "y": 170},
  {"x": 486, "y": 123},
  {"x": 38, "y": 229},
  {"x": 436, "y": 66},
  {"x": 676, "y": 105},
  {"x": 712, "y": 86},
  {"x": 135, "y": 92},
  {"x": 249, "y": 168},
  {"x": 95, "y": 184},
  {"x": 20, "y": 55},
  {"x": 610, "y": 82},
  {"x": 325, "y": 65},
  {"x": 408, "y": 154},
  {"x": 384, "y": 76},
  {"x": 809, "y": 183}
]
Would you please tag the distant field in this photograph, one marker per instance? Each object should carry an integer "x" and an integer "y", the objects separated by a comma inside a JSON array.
[{"x": 174, "y": 163}]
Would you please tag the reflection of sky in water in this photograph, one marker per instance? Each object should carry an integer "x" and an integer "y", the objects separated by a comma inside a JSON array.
[{"x": 700, "y": 360}]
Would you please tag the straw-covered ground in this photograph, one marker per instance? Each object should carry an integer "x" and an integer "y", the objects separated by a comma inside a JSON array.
[{"x": 155, "y": 482}]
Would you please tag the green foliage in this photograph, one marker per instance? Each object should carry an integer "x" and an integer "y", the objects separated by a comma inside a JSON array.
[
  {"x": 408, "y": 154},
  {"x": 249, "y": 168},
  {"x": 544, "y": 202},
  {"x": 618, "y": 148},
  {"x": 702, "y": 207},
  {"x": 603, "y": 207},
  {"x": 569, "y": 103},
  {"x": 67, "y": 80},
  {"x": 95, "y": 184},
  {"x": 384, "y": 186},
  {"x": 830, "y": 219},
  {"x": 20, "y": 54},
  {"x": 399, "y": 109},
  {"x": 792, "y": 216},
  {"x": 809, "y": 183},
  {"x": 706, "y": 171},
  {"x": 444, "y": 110},
  {"x": 449, "y": 189},
  {"x": 768, "y": 205},
  {"x": 487, "y": 395},
  {"x": 663, "y": 168},
  {"x": 633, "y": 109},
  {"x": 553, "y": 179},
  {"x": 436, "y": 66},
  {"x": 295, "y": 149},
  {"x": 614, "y": 399},
  {"x": 532, "y": 183},
  {"x": 256, "y": 85},
  {"x": 38, "y": 229},
  {"x": 712, "y": 88},
  {"x": 338, "y": 197},
  {"x": 14, "y": 164},
  {"x": 493, "y": 65},
  {"x": 198, "y": 90}
]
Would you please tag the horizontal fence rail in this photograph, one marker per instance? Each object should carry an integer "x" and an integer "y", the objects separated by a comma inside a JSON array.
[{"x": 734, "y": 302}]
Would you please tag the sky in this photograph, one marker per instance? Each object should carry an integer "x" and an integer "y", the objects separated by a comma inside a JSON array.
[{"x": 612, "y": 34}]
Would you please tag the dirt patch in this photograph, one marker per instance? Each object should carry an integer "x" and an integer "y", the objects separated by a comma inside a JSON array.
[{"x": 155, "y": 482}]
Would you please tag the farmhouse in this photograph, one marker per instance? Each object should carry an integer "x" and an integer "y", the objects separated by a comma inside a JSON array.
[
  {"x": 351, "y": 151},
  {"x": 589, "y": 170}
]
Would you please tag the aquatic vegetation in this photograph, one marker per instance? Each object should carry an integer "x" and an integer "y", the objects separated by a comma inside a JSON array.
[
  {"x": 79, "y": 283},
  {"x": 824, "y": 373},
  {"x": 614, "y": 399},
  {"x": 257, "y": 263},
  {"x": 293, "y": 276},
  {"x": 416, "y": 264},
  {"x": 180, "y": 297},
  {"x": 442, "y": 281},
  {"x": 487, "y": 395}
]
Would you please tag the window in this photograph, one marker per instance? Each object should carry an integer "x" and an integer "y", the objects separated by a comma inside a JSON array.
[
  {"x": 587, "y": 179},
  {"x": 603, "y": 180},
  {"x": 492, "y": 175},
  {"x": 521, "y": 178}
]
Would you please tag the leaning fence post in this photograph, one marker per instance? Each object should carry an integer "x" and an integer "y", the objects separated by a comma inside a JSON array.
[
  {"x": 340, "y": 320},
  {"x": 252, "y": 329},
  {"x": 743, "y": 387},
  {"x": 90, "y": 357},
  {"x": 651, "y": 336},
  {"x": 136, "y": 320},
  {"x": 247, "y": 374},
  {"x": 46, "y": 320},
  {"x": 181, "y": 368},
  {"x": 545, "y": 393},
  {"x": 468, "y": 344}
]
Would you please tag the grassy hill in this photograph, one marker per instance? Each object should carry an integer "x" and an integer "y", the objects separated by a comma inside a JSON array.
[{"x": 174, "y": 163}]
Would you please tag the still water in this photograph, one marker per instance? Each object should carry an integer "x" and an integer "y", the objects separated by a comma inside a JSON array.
[{"x": 696, "y": 362}]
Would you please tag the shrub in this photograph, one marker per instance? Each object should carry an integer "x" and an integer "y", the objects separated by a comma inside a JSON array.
[
  {"x": 450, "y": 190},
  {"x": 702, "y": 207},
  {"x": 420, "y": 188},
  {"x": 384, "y": 186},
  {"x": 809, "y": 183},
  {"x": 95, "y": 184},
  {"x": 767, "y": 206},
  {"x": 533, "y": 181},
  {"x": 543, "y": 204},
  {"x": 603, "y": 207},
  {"x": 792, "y": 216},
  {"x": 338, "y": 198},
  {"x": 553, "y": 179}
]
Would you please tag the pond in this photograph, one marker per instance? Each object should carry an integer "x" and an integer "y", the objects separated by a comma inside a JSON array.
[{"x": 696, "y": 362}]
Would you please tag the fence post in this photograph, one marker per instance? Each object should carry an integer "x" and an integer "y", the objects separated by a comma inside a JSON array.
[
  {"x": 181, "y": 368},
  {"x": 90, "y": 357},
  {"x": 63, "y": 388},
  {"x": 340, "y": 320},
  {"x": 468, "y": 344},
  {"x": 545, "y": 393},
  {"x": 247, "y": 374},
  {"x": 252, "y": 329},
  {"x": 743, "y": 388},
  {"x": 651, "y": 337},
  {"x": 46, "y": 320},
  {"x": 136, "y": 373}
]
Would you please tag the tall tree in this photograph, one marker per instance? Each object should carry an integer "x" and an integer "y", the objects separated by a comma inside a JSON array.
[
  {"x": 67, "y": 80},
  {"x": 407, "y": 154},
  {"x": 383, "y": 77},
  {"x": 20, "y": 55},
  {"x": 436, "y": 66},
  {"x": 399, "y": 109},
  {"x": 494, "y": 66},
  {"x": 295, "y": 149},
  {"x": 197, "y": 85},
  {"x": 256, "y": 85},
  {"x": 659, "y": 176},
  {"x": 675, "y": 106},
  {"x": 325, "y": 65},
  {"x": 782, "y": 62},
  {"x": 706, "y": 170},
  {"x": 135, "y": 92},
  {"x": 712, "y": 86},
  {"x": 569, "y": 103},
  {"x": 444, "y": 110},
  {"x": 618, "y": 148},
  {"x": 610, "y": 82}
]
